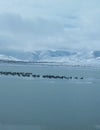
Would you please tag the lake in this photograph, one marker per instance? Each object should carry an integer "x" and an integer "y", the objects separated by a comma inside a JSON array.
[{"x": 28, "y": 103}]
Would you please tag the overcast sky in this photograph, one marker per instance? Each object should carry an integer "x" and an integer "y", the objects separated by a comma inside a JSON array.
[{"x": 49, "y": 24}]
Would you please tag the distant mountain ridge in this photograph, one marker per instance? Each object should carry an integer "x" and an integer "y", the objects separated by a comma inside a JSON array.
[{"x": 72, "y": 57}]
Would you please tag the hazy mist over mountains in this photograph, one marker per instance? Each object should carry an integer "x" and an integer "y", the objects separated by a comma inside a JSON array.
[{"x": 70, "y": 56}]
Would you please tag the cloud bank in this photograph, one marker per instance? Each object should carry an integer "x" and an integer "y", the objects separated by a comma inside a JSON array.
[{"x": 49, "y": 24}]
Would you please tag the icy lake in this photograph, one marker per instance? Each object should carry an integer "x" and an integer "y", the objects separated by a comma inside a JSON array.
[{"x": 28, "y": 103}]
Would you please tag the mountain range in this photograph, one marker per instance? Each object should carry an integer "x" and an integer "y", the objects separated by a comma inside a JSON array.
[{"x": 69, "y": 56}]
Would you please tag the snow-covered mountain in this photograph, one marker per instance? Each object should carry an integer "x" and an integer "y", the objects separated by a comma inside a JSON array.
[{"x": 69, "y": 57}]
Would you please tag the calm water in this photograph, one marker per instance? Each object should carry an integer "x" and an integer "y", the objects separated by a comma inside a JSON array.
[{"x": 50, "y": 104}]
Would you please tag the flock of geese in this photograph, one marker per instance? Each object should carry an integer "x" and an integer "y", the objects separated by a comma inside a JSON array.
[{"x": 23, "y": 74}]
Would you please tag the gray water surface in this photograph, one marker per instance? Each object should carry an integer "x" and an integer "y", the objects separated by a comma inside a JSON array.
[{"x": 50, "y": 104}]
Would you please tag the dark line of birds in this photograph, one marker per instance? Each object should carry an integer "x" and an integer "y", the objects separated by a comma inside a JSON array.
[{"x": 23, "y": 74}]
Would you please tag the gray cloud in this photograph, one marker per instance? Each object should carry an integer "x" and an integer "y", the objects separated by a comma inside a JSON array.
[
  {"x": 26, "y": 32},
  {"x": 49, "y": 24}
]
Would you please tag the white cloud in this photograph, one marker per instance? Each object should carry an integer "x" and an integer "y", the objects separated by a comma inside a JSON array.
[{"x": 49, "y": 24}]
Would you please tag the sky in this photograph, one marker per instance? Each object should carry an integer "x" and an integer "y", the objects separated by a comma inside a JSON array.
[{"x": 49, "y": 24}]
